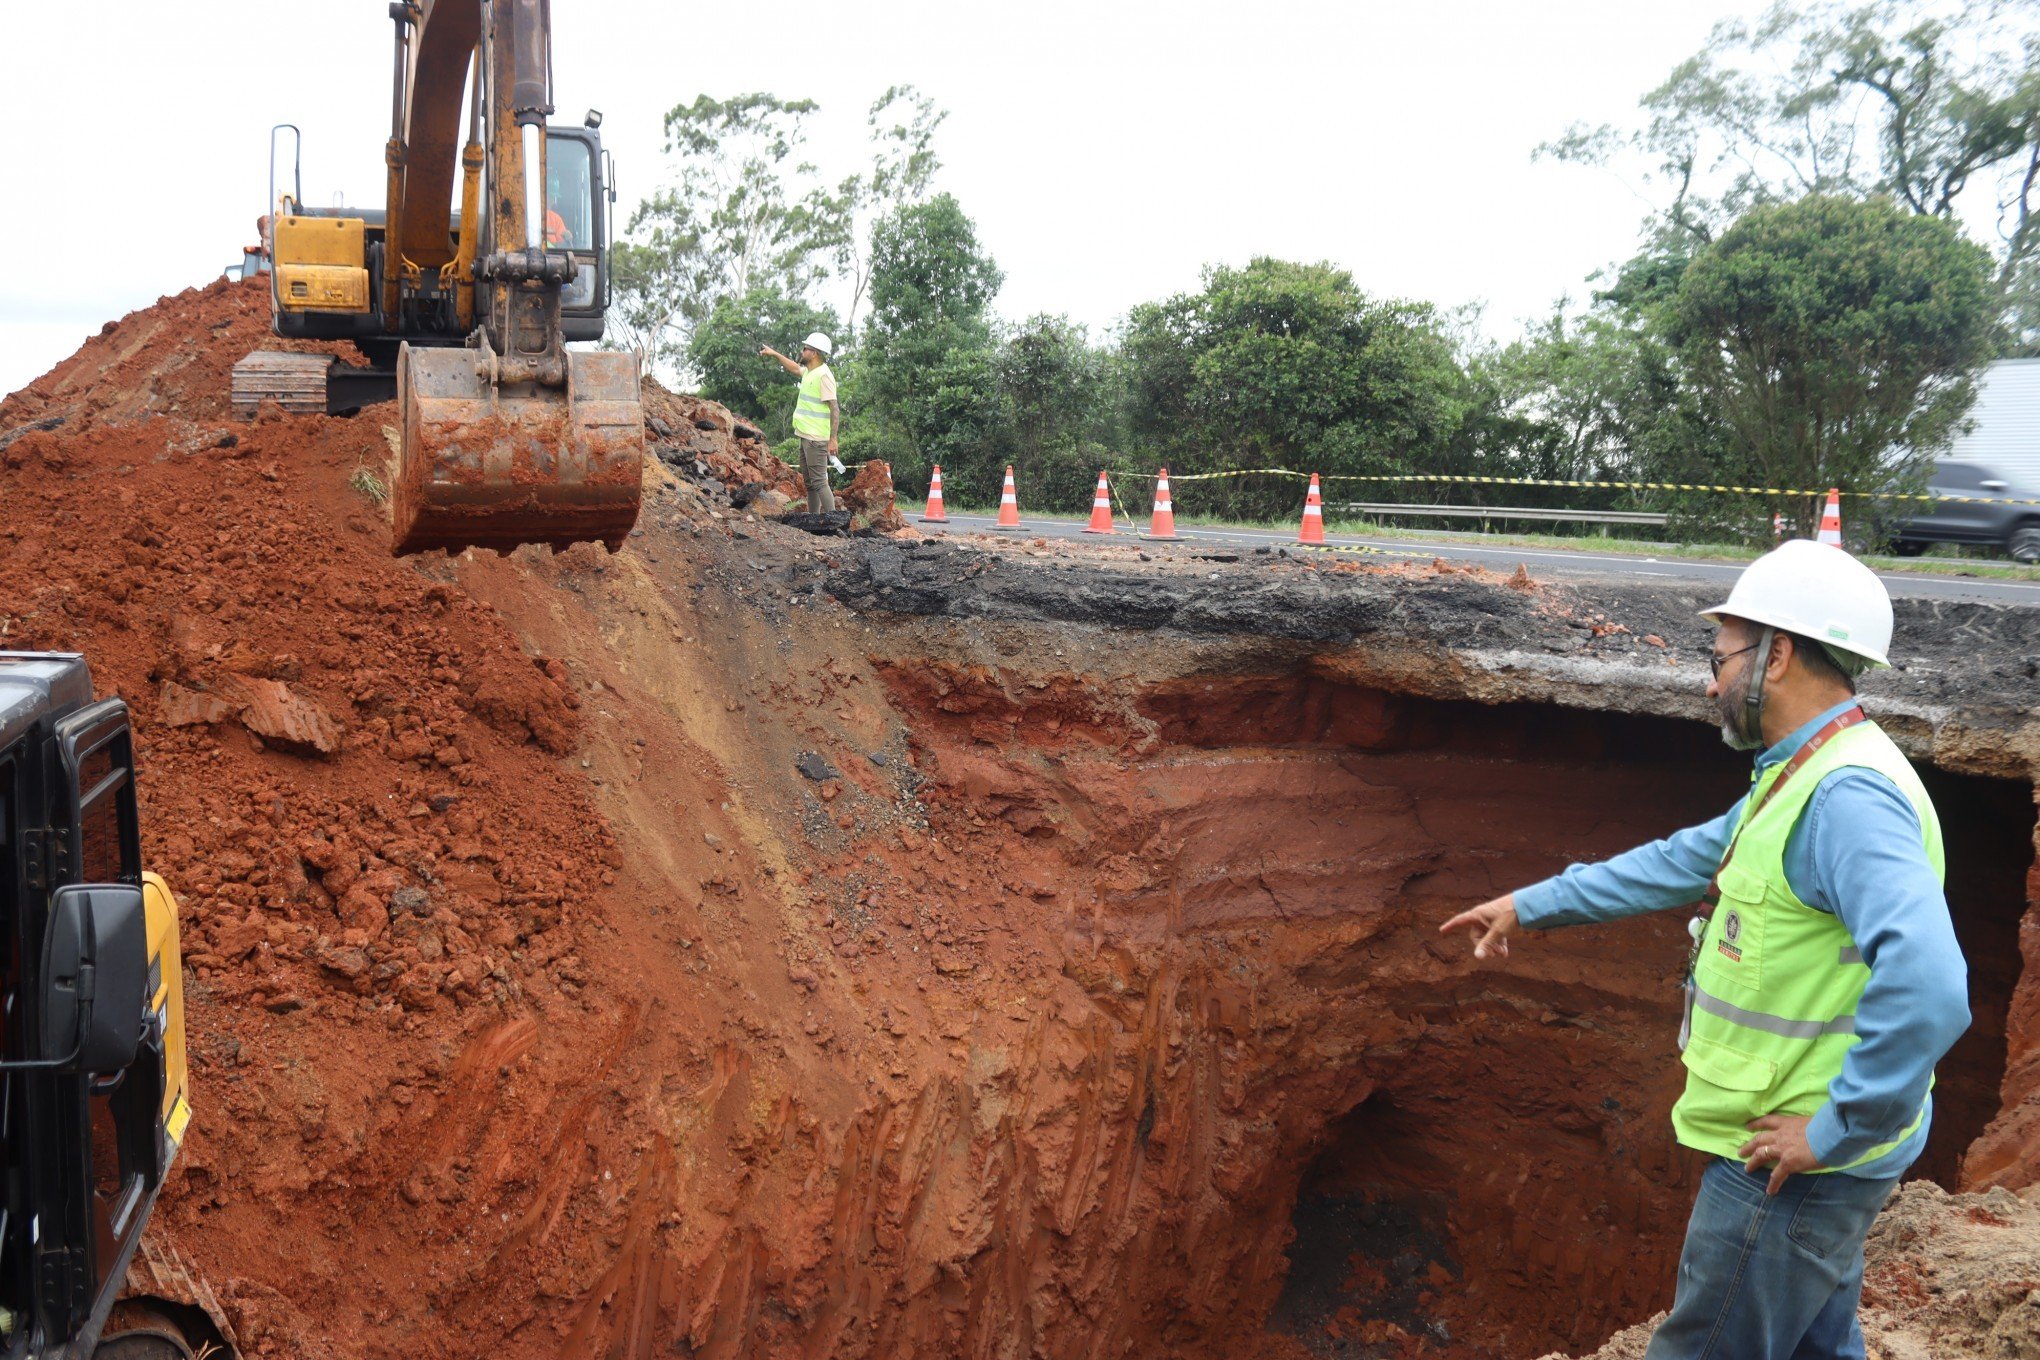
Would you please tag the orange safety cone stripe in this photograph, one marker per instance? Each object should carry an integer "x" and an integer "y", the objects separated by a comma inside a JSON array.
[
  {"x": 935, "y": 514},
  {"x": 1313, "y": 528},
  {"x": 1163, "y": 524},
  {"x": 1101, "y": 508},
  {"x": 1009, "y": 503},
  {"x": 1831, "y": 521}
]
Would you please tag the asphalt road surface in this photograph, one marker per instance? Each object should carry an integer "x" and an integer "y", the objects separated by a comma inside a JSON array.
[{"x": 1544, "y": 562}]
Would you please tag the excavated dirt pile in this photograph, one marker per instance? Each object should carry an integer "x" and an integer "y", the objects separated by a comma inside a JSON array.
[{"x": 760, "y": 945}]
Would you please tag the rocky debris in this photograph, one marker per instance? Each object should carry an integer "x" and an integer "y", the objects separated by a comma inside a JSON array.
[
  {"x": 270, "y": 709},
  {"x": 282, "y": 717},
  {"x": 8, "y": 437},
  {"x": 825, "y": 523},
  {"x": 701, "y": 440},
  {"x": 182, "y": 707},
  {"x": 815, "y": 767},
  {"x": 870, "y": 500},
  {"x": 229, "y": 576},
  {"x": 173, "y": 358},
  {"x": 1946, "y": 1277}
]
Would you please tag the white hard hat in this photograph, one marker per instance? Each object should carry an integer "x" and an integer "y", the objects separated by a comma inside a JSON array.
[
  {"x": 1817, "y": 591},
  {"x": 817, "y": 341}
]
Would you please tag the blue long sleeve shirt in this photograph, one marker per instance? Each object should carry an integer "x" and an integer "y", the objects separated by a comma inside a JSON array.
[{"x": 1856, "y": 852}]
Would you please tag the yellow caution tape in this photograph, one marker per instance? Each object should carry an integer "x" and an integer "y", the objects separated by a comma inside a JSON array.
[{"x": 1359, "y": 550}]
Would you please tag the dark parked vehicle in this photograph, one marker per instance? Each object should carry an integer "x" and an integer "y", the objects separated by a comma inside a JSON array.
[{"x": 2014, "y": 528}]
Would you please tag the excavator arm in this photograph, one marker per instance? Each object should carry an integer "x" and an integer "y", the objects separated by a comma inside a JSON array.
[{"x": 511, "y": 438}]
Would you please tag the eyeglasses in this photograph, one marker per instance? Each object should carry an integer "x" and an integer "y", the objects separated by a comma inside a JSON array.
[{"x": 1716, "y": 660}]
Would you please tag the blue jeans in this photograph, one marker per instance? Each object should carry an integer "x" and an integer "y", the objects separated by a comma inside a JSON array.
[{"x": 1771, "y": 1277}]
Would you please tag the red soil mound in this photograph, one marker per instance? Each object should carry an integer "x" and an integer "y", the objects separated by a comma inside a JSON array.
[
  {"x": 173, "y": 358},
  {"x": 348, "y": 769}
]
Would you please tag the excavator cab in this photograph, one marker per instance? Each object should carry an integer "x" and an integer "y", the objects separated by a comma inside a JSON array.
[{"x": 506, "y": 436}]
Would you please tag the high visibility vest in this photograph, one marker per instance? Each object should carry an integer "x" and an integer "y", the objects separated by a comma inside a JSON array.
[
  {"x": 1772, "y": 998},
  {"x": 810, "y": 412}
]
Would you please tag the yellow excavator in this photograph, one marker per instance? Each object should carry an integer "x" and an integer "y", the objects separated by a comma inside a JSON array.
[
  {"x": 94, "y": 1100},
  {"x": 507, "y": 436}
]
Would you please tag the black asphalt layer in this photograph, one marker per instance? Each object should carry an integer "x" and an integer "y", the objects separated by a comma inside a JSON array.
[
  {"x": 1975, "y": 657},
  {"x": 1542, "y": 562}
]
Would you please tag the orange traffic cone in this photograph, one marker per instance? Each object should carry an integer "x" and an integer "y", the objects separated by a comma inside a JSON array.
[
  {"x": 1163, "y": 525},
  {"x": 1313, "y": 530},
  {"x": 1778, "y": 527},
  {"x": 1009, "y": 504},
  {"x": 1101, "y": 508},
  {"x": 1831, "y": 521},
  {"x": 935, "y": 513}
]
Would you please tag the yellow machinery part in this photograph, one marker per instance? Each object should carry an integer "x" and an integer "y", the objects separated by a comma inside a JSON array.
[
  {"x": 321, "y": 240},
  {"x": 166, "y": 999},
  {"x": 321, "y": 264},
  {"x": 321, "y": 288}
]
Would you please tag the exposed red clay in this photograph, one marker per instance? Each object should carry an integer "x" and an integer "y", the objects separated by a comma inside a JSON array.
[{"x": 539, "y": 1006}]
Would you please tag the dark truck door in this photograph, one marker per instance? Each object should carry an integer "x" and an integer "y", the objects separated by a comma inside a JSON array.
[{"x": 1954, "y": 521}]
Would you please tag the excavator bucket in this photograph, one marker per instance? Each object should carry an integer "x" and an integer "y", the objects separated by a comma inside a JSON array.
[{"x": 488, "y": 464}]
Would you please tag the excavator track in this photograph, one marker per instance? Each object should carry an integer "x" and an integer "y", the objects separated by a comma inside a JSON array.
[
  {"x": 167, "y": 1311},
  {"x": 295, "y": 382}
]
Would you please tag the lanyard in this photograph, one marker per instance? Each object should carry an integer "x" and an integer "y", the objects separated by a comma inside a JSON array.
[
  {"x": 1697, "y": 927},
  {"x": 1835, "y": 726}
]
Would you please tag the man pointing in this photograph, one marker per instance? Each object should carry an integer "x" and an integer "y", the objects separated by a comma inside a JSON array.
[
  {"x": 1824, "y": 983},
  {"x": 817, "y": 416}
]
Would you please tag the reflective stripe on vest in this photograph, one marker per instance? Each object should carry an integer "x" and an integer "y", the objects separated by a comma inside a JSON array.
[
  {"x": 1775, "y": 982},
  {"x": 811, "y": 413}
]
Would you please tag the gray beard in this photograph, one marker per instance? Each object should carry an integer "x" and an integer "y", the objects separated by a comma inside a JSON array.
[{"x": 1731, "y": 712}]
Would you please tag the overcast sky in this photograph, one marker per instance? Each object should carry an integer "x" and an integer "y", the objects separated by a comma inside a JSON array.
[{"x": 1107, "y": 150}]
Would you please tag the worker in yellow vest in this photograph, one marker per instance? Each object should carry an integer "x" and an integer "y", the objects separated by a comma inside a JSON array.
[
  {"x": 1824, "y": 981},
  {"x": 817, "y": 416}
]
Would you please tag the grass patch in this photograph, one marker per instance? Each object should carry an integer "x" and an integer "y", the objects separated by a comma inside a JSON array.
[{"x": 365, "y": 481}]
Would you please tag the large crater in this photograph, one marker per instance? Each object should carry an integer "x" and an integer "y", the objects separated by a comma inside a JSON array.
[{"x": 1299, "y": 1105}]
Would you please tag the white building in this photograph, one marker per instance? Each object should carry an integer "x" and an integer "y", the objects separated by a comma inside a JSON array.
[{"x": 2005, "y": 423}]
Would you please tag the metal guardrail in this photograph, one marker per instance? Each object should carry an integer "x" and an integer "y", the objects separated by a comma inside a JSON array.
[{"x": 1504, "y": 512}]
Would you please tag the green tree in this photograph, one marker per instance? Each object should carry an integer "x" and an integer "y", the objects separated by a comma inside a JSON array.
[
  {"x": 1052, "y": 388},
  {"x": 1835, "y": 341},
  {"x": 724, "y": 352},
  {"x": 901, "y": 126},
  {"x": 1571, "y": 397},
  {"x": 1929, "y": 105},
  {"x": 1292, "y": 366},
  {"x": 744, "y": 210},
  {"x": 926, "y": 360}
]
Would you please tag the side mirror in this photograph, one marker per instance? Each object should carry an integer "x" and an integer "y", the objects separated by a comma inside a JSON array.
[
  {"x": 1993, "y": 485},
  {"x": 95, "y": 977}
]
